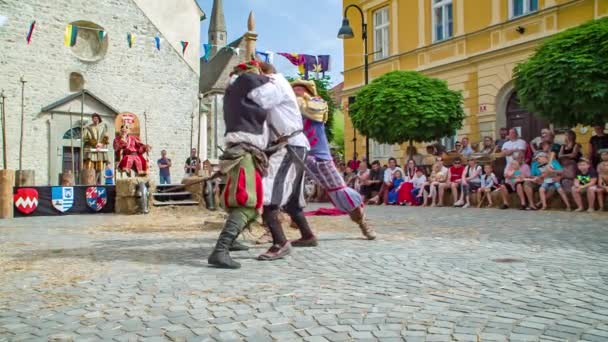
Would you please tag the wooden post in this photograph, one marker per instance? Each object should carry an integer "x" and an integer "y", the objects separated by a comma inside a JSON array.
[
  {"x": 81, "y": 133},
  {"x": 87, "y": 177},
  {"x": 22, "y": 122},
  {"x": 7, "y": 179},
  {"x": 72, "y": 141},
  {"x": 3, "y": 108},
  {"x": 25, "y": 178},
  {"x": 191, "y": 130},
  {"x": 67, "y": 178}
]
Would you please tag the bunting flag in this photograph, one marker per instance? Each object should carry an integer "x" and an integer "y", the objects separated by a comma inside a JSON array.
[
  {"x": 323, "y": 63},
  {"x": 130, "y": 39},
  {"x": 309, "y": 65},
  {"x": 184, "y": 47},
  {"x": 157, "y": 42},
  {"x": 294, "y": 58},
  {"x": 101, "y": 35},
  {"x": 266, "y": 56},
  {"x": 30, "y": 32},
  {"x": 3, "y": 20},
  {"x": 71, "y": 32},
  {"x": 207, "y": 49},
  {"x": 235, "y": 51}
]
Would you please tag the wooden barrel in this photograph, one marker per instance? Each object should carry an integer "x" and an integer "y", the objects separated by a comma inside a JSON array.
[
  {"x": 67, "y": 178},
  {"x": 25, "y": 178},
  {"x": 7, "y": 179},
  {"x": 87, "y": 177}
]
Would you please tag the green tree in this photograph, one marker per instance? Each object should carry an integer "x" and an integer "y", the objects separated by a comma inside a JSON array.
[
  {"x": 566, "y": 80},
  {"x": 405, "y": 106}
]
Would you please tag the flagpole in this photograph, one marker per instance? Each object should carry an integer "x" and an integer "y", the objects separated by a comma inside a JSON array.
[
  {"x": 3, "y": 108},
  {"x": 23, "y": 81},
  {"x": 72, "y": 139},
  {"x": 81, "y": 134}
]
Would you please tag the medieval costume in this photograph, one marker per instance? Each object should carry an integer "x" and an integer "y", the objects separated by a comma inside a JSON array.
[
  {"x": 320, "y": 162},
  {"x": 284, "y": 185},
  {"x": 95, "y": 140},
  {"x": 130, "y": 151},
  {"x": 243, "y": 161}
]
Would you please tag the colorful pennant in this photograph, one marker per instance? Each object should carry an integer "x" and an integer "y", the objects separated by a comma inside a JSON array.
[
  {"x": 294, "y": 58},
  {"x": 323, "y": 62},
  {"x": 184, "y": 47},
  {"x": 157, "y": 42},
  {"x": 130, "y": 39},
  {"x": 101, "y": 35},
  {"x": 71, "y": 33},
  {"x": 207, "y": 49},
  {"x": 30, "y": 32},
  {"x": 266, "y": 56}
]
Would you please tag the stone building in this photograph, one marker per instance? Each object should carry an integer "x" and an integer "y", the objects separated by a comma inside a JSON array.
[
  {"x": 215, "y": 74},
  {"x": 472, "y": 45},
  {"x": 105, "y": 73}
]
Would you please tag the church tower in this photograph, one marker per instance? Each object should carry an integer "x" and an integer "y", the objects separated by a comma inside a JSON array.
[{"x": 217, "y": 28}]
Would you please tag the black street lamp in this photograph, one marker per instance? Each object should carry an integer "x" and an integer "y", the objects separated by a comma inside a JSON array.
[{"x": 346, "y": 32}]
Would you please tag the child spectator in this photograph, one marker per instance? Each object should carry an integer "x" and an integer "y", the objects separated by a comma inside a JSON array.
[
  {"x": 470, "y": 183},
  {"x": 602, "y": 188},
  {"x": 418, "y": 183},
  {"x": 584, "y": 182},
  {"x": 550, "y": 171},
  {"x": 488, "y": 183},
  {"x": 454, "y": 179},
  {"x": 439, "y": 175},
  {"x": 108, "y": 174},
  {"x": 393, "y": 193}
]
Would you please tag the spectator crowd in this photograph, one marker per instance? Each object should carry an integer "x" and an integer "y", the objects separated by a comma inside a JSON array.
[{"x": 489, "y": 172}]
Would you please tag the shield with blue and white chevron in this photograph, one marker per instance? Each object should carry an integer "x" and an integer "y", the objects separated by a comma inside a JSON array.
[{"x": 62, "y": 198}]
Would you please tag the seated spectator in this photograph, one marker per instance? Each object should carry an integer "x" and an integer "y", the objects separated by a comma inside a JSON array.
[
  {"x": 488, "y": 146},
  {"x": 488, "y": 183},
  {"x": 597, "y": 143},
  {"x": 457, "y": 147},
  {"x": 393, "y": 194},
  {"x": 568, "y": 156},
  {"x": 466, "y": 149},
  {"x": 470, "y": 183},
  {"x": 382, "y": 197},
  {"x": 439, "y": 175},
  {"x": 602, "y": 188},
  {"x": 418, "y": 182},
  {"x": 513, "y": 145},
  {"x": 550, "y": 172},
  {"x": 350, "y": 177},
  {"x": 430, "y": 157},
  {"x": 405, "y": 192},
  {"x": 547, "y": 137},
  {"x": 502, "y": 133},
  {"x": 454, "y": 180},
  {"x": 585, "y": 183},
  {"x": 373, "y": 182},
  {"x": 515, "y": 175},
  {"x": 362, "y": 175},
  {"x": 354, "y": 163},
  {"x": 412, "y": 153}
]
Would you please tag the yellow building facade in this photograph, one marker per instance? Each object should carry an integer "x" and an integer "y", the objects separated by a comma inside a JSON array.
[{"x": 474, "y": 45}]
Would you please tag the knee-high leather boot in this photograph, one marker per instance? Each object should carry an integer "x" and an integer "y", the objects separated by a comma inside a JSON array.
[
  {"x": 358, "y": 216},
  {"x": 220, "y": 257},
  {"x": 308, "y": 238}
]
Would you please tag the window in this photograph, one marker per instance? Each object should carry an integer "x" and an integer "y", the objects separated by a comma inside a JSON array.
[
  {"x": 381, "y": 33},
  {"x": 523, "y": 7},
  {"x": 443, "y": 22},
  {"x": 76, "y": 82},
  {"x": 381, "y": 151}
]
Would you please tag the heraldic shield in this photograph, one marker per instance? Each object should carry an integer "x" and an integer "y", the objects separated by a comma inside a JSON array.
[
  {"x": 26, "y": 200},
  {"x": 62, "y": 198},
  {"x": 97, "y": 197}
]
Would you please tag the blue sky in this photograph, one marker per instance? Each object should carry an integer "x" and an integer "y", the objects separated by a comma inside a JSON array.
[{"x": 308, "y": 26}]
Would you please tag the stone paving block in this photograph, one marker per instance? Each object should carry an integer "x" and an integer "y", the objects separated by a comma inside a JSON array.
[
  {"x": 361, "y": 335},
  {"x": 438, "y": 338}
]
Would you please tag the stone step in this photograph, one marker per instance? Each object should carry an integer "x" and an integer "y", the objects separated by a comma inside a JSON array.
[{"x": 176, "y": 203}]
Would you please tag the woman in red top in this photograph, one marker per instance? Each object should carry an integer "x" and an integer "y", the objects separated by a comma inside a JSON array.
[
  {"x": 405, "y": 191},
  {"x": 454, "y": 179}
]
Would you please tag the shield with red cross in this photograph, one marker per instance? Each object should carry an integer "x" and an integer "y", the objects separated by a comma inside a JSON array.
[
  {"x": 26, "y": 200},
  {"x": 97, "y": 197}
]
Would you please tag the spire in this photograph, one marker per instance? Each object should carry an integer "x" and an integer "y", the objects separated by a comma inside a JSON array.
[{"x": 217, "y": 27}]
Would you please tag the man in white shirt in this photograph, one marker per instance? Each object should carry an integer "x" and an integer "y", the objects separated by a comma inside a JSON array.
[
  {"x": 512, "y": 145},
  {"x": 284, "y": 184}
]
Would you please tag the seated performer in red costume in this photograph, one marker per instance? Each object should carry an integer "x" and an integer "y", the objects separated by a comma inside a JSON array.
[{"x": 130, "y": 151}]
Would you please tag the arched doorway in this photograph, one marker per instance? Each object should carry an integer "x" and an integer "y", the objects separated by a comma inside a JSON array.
[
  {"x": 527, "y": 124},
  {"x": 70, "y": 152}
]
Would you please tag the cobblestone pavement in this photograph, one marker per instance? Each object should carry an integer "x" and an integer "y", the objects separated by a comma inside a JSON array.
[{"x": 433, "y": 275}]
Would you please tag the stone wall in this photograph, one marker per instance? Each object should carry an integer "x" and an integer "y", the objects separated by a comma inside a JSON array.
[{"x": 133, "y": 79}]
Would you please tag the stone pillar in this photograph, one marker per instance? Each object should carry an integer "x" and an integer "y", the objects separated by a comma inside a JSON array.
[
  {"x": 7, "y": 179},
  {"x": 250, "y": 38},
  {"x": 25, "y": 178}
]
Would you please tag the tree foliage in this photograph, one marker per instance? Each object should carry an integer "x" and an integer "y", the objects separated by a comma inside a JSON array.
[
  {"x": 323, "y": 87},
  {"x": 405, "y": 106},
  {"x": 566, "y": 80}
]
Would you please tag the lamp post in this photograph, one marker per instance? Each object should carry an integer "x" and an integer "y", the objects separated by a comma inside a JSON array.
[{"x": 346, "y": 32}]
